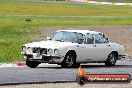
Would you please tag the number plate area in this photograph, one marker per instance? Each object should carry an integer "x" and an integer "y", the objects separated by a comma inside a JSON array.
[{"x": 37, "y": 56}]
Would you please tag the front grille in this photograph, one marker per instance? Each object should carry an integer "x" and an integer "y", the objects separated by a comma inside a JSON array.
[{"x": 40, "y": 50}]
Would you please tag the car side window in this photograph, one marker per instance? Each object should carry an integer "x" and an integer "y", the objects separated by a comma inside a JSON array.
[
  {"x": 89, "y": 39},
  {"x": 79, "y": 38},
  {"x": 67, "y": 36},
  {"x": 99, "y": 38}
]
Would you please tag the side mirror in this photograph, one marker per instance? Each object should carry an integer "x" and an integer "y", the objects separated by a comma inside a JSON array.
[{"x": 48, "y": 38}]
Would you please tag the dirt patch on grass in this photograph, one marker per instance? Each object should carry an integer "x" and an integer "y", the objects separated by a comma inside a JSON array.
[{"x": 117, "y": 34}]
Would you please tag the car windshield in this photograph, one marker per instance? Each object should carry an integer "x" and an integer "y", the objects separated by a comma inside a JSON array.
[{"x": 66, "y": 37}]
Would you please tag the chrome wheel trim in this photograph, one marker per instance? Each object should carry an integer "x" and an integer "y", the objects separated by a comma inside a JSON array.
[
  {"x": 69, "y": 60},
  {"x": 112, "y": 59}
]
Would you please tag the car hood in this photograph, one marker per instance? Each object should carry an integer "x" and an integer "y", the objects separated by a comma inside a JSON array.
[{"x": 49, "y": 44}]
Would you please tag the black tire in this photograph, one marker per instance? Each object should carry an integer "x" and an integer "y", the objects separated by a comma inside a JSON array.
[
  {"x": 111, "y": 59},
  {"x": 32, "y": 64},
  {"x": 69, "y": 60}
]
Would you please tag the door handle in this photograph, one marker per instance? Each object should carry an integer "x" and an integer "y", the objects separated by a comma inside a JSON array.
[{"x": 108, "y": 45}]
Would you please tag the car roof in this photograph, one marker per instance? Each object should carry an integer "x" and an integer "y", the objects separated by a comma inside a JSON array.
[{"x": 80, "y": 31}]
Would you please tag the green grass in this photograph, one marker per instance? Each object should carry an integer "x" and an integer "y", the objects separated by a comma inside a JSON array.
[
  {"x": 16, "y": 31},
  {"x": 32, "y": 8}
]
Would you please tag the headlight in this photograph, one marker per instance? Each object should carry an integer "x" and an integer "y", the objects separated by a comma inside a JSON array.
[
  {"x": 29, "y": 50},
  {"x": 56, "y": 52},
  {"x": 50, "y": 51}
]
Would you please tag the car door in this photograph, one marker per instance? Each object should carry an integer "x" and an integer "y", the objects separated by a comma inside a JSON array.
[
  {"x": 103, "y": 47},
  {"x": 87, "y": 49}
]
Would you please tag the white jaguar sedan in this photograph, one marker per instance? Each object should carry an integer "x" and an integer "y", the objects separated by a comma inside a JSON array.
[{"x": 70, "y": 48}]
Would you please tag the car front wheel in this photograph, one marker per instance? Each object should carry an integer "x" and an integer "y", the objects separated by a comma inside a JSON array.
[
  {"x": 69, "y": 60},
  {"x": 111, "y": 60},
  {"x": 32, "y": 64}
]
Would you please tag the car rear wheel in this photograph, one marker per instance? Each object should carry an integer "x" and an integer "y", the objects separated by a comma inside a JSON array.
[
  {"x": 32, "y": 64},
  {"x": 69, "y": 60},
  {"x": 111, "y": 60}
]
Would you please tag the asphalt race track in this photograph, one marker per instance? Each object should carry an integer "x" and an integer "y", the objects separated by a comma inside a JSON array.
[{"x": 54, "y": 73}]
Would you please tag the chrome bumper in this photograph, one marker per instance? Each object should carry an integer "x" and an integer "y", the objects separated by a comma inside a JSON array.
[{"x": 44, "y": 58}]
